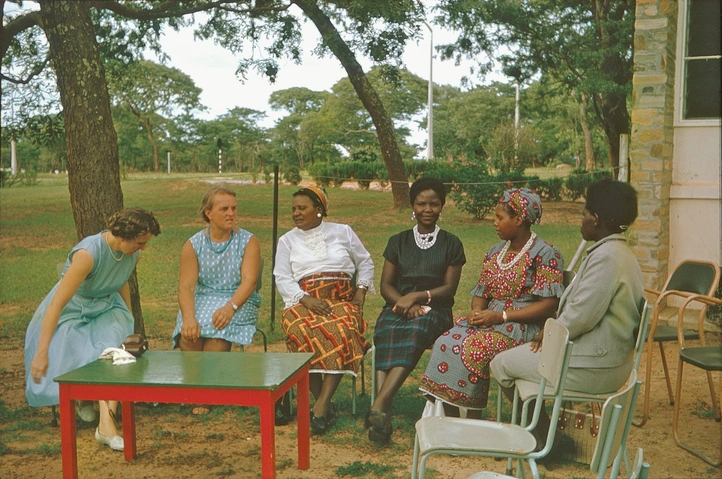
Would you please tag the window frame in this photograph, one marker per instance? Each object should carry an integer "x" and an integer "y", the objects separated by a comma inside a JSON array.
[{"x": 680, "y": 74}]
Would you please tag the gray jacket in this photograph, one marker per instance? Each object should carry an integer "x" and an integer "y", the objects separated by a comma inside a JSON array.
[{"x": 601, "y": 306}]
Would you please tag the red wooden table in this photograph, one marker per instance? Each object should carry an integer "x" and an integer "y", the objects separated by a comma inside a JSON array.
[{"x": 240, "y": 379}]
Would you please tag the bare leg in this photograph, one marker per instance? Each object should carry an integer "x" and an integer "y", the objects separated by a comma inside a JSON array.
[
  {"x": 323, "y": 400},
  {"x": 315, "y": 383},
  {"x": 393, "y": 381},
  {"x": 216, "y": 345},
  {"x": 106, "y": 426},
  {"x": 186, "y": 345}
]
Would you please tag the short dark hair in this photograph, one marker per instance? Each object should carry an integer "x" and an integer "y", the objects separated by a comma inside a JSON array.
[
  {"x": 423, "y": 184},
  {"x": 129, "y": 223},
  {"x": 614, "y": 202}
]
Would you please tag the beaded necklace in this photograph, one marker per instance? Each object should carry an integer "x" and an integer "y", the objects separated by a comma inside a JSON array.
[
  {"x": 426, "y": 240},
  {"x": 502, "y": 254},
  {"x": 218, "y": 247},
  {"x": 105, "y": 237}
]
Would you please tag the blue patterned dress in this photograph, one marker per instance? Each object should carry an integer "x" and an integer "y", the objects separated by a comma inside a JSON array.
[
  {"x": 458, "y": 370},
  {"x": 219, "y": 276},
  {"x": 95, "y": 318}
]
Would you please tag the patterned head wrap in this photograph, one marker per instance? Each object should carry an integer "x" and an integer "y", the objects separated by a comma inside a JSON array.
[
  {"x": 318, "y": 193},
  {"x": 524, "y": 202}
]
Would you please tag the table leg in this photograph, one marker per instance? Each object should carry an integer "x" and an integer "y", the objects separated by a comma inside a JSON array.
[
  {"x": 129, "y": 449},
  {"x": 68, "y": 445},
  {"x": 304, "y": 422},
  {"x": 268, "y": 440}
]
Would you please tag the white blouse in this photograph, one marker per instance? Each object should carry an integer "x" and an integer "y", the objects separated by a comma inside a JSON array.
[{"x": 330, "y": 247}]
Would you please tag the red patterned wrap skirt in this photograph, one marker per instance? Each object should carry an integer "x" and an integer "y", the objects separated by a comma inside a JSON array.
[{"x": 337, "y": 339}]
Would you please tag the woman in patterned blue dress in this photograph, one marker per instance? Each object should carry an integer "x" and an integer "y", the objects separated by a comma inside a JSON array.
[
  {"x": 87, "y": 311},
  {"x": 217, "y": 287},
  {"x": 519, "y": 286}
]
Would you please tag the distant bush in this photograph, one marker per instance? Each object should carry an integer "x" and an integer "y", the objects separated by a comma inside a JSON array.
[
  {"x": 576, "y": 184},
  {"x": 292, "y": 175},
  {"x": 550, "y": 189}
]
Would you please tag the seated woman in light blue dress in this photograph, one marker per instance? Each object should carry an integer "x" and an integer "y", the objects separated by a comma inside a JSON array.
[
  {"x": 217, "y": 287},
  {"x": 87, "y": 311}
]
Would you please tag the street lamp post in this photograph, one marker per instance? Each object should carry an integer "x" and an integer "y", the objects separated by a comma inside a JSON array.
[{"x": 430, "y": 142}]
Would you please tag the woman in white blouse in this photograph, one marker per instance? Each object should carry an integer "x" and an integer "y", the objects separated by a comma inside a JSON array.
[{"x": 315, "y": 264}]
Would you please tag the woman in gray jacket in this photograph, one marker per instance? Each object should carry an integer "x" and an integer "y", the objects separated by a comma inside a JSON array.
[{"x": 600, "y": 308}]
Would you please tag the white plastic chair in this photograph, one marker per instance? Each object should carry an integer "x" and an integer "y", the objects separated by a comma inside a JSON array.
[{"x": 446, "y": 435}]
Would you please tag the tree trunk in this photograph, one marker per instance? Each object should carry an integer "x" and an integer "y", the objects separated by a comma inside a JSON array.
[
  {"x": 92, "y": 145},
  {"x": 369, "y": 98},
  {"x": 149, "y": 132},
  {"x": 588, "y": 142}
]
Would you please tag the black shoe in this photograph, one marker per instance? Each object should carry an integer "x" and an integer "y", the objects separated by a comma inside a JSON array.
[
  {"x": 281, "y": 418},
  {"x": 367, "y": 422},
  {"x": 380, "y": 435},
  {"x": 319, "y": 425}
]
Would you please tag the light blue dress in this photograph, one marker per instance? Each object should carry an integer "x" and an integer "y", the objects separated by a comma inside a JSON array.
[
  {"x": 95, "y": 318},
  {"x": 219, "y": 276}
]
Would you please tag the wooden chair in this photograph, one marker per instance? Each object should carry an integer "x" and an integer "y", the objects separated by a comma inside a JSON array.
[
  {"x": 448, "y": 435},
  {"x": 704, "y": 357},
  {"x": 690, "y": 277}
]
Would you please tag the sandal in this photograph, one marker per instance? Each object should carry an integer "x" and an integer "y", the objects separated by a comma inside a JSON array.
[{"x": 201, "y": 410}]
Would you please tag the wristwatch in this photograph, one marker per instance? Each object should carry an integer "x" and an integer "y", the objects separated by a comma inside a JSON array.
[
  {"x": 233, "y": 305},
  {"x": 362, "y": 286}
]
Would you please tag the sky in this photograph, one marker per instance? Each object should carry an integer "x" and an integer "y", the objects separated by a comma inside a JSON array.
[{"x": 212, "y": 68}]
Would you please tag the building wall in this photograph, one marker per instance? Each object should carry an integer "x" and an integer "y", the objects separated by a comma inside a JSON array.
[
  {"x": 675, "y": 164},
  {"x": 651, "y": 145}
]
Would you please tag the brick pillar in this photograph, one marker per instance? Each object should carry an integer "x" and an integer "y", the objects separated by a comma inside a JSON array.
[{"x": 652, "y": 139}]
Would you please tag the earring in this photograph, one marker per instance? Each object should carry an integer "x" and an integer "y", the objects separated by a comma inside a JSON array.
[
  {"x": 413, "y": 216},
  {"x": 319, "y": 215},
  {"x": 439, "y": 217}
]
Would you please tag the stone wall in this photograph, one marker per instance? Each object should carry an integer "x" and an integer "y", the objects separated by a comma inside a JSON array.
[{"x": 652, "y": 138}]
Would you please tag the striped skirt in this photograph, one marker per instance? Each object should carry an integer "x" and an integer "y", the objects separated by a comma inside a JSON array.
[
  {"x": 336, "y": 340},
  {"x": 401, "y": 342}
]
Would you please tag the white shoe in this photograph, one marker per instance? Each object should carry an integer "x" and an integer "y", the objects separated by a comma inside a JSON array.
[
  {"x": 115, "y": 443},
  {"x": 86, "y": 412}
]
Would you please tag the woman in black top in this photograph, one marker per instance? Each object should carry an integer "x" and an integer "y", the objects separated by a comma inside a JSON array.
[{"x": 420, "y": 276}]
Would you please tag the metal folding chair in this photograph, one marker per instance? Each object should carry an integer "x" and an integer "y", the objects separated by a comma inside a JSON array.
[
  {"x": 447, "y": 435},
  {"x": 690, "y": 277},
  {"x": 704, "y": 357}
]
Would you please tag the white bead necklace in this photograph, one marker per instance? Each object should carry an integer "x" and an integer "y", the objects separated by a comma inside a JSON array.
[
  {"x": 105, "y": 237},
  {"x": 502, "y": 254},
  {"x": 426, "y": 240}
]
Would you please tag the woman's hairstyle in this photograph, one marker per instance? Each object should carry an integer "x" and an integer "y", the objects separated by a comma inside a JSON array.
[
  {"x": 423, "y": 184},
  {"x": 614, "y": 202},
  {"x": 317, "y": 196},
  {"x": 207, "y": 203},
  {"x": 129, "y": 223},
  {"x": 524, "y": 202}
]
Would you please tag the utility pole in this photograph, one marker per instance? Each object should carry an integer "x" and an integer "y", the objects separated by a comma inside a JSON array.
[{"x": 430, "y": 141}]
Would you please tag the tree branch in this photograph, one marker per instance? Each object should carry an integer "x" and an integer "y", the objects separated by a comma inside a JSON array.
[{"x": 16, "y": 26}]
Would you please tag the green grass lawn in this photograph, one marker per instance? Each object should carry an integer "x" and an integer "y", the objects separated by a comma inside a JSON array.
[{"x": 37, "y": 231}]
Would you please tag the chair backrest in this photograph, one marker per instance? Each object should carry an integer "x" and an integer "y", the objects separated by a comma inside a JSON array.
[
  {"x": 694, "y": 276},
  {"x": 568, "y": 277},
  {"x": 552, "y": 360},
  {"x": 616, "y": 419},
  {"x": 642, "y": 333},
  {"x": 640, "y": 469},
  {"x": 260, "y": 276}
]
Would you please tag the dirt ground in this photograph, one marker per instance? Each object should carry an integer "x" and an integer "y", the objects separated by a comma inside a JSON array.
[{"x": 226, "y": 443}]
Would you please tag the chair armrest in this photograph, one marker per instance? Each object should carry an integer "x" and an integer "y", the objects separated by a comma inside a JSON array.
[
  {"x": 701, "y": 298},
  {"x": 652, "y": 291}
]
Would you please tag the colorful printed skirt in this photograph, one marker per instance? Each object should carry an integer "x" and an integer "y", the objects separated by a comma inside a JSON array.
[
  {"x": 401, "y": 342},
  {"x": 336, "y": 340},
  {"x": 458, "y": 371}
]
